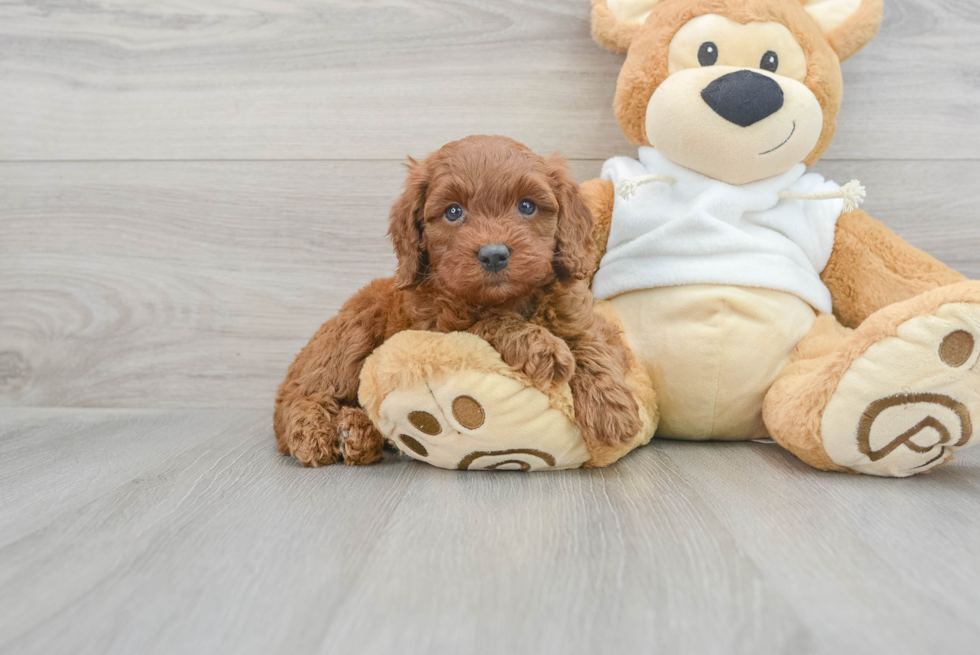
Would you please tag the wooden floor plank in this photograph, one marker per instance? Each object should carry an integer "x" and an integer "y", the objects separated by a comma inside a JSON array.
[
  {"x": 622, "y": 560},
  {"x": 296, "y": 79},
  {"x": 227, "y": 547},
  {"x": 869, "y": 565},
  {"x": 56, "y": 460},
  {"x": 193, "y": 284}
]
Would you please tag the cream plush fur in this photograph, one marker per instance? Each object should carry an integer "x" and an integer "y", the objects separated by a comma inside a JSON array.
[{"x": 713, "y": 354}]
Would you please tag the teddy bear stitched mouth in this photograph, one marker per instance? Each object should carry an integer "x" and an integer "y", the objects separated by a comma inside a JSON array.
[{"x": 783, "y": 143}]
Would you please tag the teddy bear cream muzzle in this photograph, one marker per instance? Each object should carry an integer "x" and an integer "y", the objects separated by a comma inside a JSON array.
[{"x": 708, "y": 120}]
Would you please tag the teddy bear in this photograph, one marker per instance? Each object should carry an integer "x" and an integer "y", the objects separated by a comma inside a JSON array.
[{"x": 755, "y": 295}]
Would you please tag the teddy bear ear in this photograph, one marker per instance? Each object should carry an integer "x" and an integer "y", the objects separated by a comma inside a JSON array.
[
  {"x": 848, "y": 25},
  {"x": 614, "y": 22}
]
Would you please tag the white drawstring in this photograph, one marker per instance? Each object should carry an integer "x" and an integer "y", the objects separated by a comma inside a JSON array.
[
  {"x": 627, "y": 188},
  {"x": 852, "y": 193}
]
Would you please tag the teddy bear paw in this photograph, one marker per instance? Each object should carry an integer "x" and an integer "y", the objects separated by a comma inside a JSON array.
[
  {"x": 912, "y": 399},
  {"x": 470, "y": 420}
]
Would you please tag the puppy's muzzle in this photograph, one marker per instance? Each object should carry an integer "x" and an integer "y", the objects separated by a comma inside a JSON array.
[
  {"x": 744, "y": 97},
  {"x": 494, "y": 257}
]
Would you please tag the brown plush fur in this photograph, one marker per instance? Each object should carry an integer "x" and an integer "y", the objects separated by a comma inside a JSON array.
[
  {"x": 793, "y": 408},
  {"x": 858, "y": 30},
  {"x": 610, "y": 33},
  {"x": 871, "y": 267},
  {"x": 537, "y": 312}
]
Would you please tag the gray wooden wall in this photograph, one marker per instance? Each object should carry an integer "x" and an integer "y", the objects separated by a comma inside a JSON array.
[{"x": 189, "y": 188}]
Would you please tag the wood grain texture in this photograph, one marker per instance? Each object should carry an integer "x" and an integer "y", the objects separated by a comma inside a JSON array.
[
  {"x": 215, "y": 543},
  {"x": 194, "y": 284},
  {"x": 877, "y": 550},
  {"x": 376, "y": 79}
]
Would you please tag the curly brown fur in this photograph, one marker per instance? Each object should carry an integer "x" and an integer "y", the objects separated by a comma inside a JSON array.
[{"x": 537, "y": 311}]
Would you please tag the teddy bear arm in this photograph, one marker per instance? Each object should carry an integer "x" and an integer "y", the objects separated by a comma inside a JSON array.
[
  {"x": 871, "y": 267},
  {"x": 599, "y": 196}
]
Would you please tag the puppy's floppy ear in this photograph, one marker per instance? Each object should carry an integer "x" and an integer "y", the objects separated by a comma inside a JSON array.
[
  {"x": 405, "y": 227},
  {"x": 574, "y": 247},
  {"x": 615, "y": 22},
  {"x": 848, "y": 25}
]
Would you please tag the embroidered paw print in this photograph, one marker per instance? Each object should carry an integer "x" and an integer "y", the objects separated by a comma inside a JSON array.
[
  {"x": 474, "y": 421},
  {"x": 930, "y": 369}
]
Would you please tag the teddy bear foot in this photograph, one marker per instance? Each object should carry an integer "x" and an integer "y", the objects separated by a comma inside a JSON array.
[
  {"x": 468, "y": 420},
  {"x": 450, "y": 400},
  {"x": 931, "y": 367},
  {"x": 907, "y": 392}
]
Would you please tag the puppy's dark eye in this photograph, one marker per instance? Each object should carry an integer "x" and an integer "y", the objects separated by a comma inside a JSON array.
[
  {"x": 770, "y": 62},
  {"x": 708, "y": 54},
  {"x": 454, "y": 213},
  {"x": 527, "y": 207}
]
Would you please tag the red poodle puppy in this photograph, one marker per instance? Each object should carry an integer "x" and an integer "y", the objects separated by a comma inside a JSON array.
[{"x": 491, "y": 239}]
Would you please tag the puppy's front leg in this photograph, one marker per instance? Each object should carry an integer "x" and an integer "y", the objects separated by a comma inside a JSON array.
[
  {"x": 317, "y": 419},
  {"x": 605, "y": 408},
  {"x": 528, "y": 348}
]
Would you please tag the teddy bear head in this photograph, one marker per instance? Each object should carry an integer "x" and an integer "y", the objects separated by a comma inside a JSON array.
[{"x": 737, "y": 90}]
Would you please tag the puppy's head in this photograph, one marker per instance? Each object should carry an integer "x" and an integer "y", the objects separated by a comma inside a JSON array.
[{"x": 487, "y": 220}]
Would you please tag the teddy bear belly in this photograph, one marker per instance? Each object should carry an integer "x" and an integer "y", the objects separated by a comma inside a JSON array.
[{"x": 712, "y": 352}]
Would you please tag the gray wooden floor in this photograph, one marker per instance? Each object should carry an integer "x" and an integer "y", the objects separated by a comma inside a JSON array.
[
  {"x": 188, "y": 188},
  {"x": 181, "y": 531}
]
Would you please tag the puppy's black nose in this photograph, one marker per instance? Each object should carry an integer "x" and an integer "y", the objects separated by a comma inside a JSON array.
[
  {"x": 493, "y": 257},
  {"x": 744, "y": 97}
]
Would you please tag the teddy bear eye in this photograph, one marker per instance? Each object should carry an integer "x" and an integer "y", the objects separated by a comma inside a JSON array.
[
  {"x": 527, "y": 207},
  {"x": 453, "y": 213},
  {"x": 708, "y": 54},
  {"x": 770, "y": 62}
]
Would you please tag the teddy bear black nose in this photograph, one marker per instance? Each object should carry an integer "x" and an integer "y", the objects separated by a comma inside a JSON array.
[
  {"x": 493, "y": 257},
  {"x": 744, "y": 97}
]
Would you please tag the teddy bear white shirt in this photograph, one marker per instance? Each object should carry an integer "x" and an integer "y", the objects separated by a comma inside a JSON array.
[{"x": 703, "y": 231}]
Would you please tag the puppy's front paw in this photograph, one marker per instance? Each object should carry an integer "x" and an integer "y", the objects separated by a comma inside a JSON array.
[
  {"x": 544, "y": 358},
  {"x": 310, "y": 435},
  {"x": 605, "y": 409},
  {"x": 360, "y": 442}
]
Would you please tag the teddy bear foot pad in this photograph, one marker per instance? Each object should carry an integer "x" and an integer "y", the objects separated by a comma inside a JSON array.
[
  {"x": 469, "y": 420},
  {"x": 931, "y": 370},
  {"x": 450, "y": 401}
]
